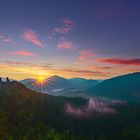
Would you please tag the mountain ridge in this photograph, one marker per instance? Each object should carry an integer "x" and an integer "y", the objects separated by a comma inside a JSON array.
[
  {"x": 58, "y": 83},
  {"x": 125, "y": 87}
]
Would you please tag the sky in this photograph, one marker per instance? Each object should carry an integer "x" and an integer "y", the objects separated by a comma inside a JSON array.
[{"x": 94, "y": 39}]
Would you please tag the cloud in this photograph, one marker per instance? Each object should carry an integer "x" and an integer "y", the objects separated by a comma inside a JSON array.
[
  {"x": 67, "y": 27},
  {"x": 121, "y": 61},
  {"x": 32, "y": 37},
  {"x": 66, "y": 45},
  {"x": 62, "y": 30},
  {"x": 68, "y": 22},
  {"x": 86, "y": 54},
  {"x": 93, "y": 107},
  {"x": 44, "y": 66},
  {"x": 22, "y": 70},
  {"x": 23, "y": 53},
  {"x": 85, "y": 72},
  {"x": 17, "y": 63},
  {"x": 101, "y": 67},
  {"x": 5, "y": 39}
]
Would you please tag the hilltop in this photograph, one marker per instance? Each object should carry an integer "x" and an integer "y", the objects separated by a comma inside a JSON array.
[{"x": 124, "y": 87}]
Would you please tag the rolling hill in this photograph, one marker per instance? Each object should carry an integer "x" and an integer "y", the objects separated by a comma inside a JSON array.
[
  {"x": 125, "y": 87},
  {"x": 26, "y": 114}
]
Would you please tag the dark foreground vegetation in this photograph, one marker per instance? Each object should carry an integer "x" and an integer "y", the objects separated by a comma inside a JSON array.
[{"x": 28, "y": 115}]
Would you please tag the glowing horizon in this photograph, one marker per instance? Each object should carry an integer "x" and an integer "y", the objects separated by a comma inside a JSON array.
[{"x": 92, "y": 40}]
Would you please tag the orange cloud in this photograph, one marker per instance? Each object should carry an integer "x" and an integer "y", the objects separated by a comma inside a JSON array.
[
  {"x": 32, "y": 37},
  {"x": 86, "y": 54},
  {"x": 22, "y": 70},
  {"x": 26, "y": 64},
  {"x": 66, "y": 45},
  {"x": 101, "y": 68},
  {"x": 81, "y": 73},
  {"x": 23, "y": 53}
]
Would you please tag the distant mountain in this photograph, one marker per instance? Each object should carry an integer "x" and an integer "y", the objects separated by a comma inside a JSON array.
[
  {"x": 83, "y": 83},
  {"x": 52, "y": 83},
  {"x": 125, "y": 87},
  {"x": 57, "y": 85},
  {"x": 57, "y": 82},
  {"x": 77, "y": 81},
  {"x": 28, "y": 80}
]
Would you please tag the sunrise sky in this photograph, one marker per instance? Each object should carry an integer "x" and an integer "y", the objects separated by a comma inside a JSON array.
[{"x": 94, "y": 39}]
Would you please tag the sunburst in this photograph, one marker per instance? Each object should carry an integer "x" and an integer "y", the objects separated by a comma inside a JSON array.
[{"x": 41, "y": 83}]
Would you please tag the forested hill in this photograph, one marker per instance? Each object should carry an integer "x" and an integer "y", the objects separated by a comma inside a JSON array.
[
  {"x": 124, "y": 87},
  {"x": 26, "y": 115}
]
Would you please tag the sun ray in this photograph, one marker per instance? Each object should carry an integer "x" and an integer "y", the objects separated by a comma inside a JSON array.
[{"x": 42, "y": 83}]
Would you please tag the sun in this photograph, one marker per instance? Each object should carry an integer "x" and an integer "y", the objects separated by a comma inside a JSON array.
[
  {"x": 41, "y": 79},
  {"x": 41, "y": 83}
]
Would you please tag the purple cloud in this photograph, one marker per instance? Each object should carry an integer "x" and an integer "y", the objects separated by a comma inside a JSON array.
[
  {"x": 5, "y": 39},
  {"x": 32, "y": 37},
  {"x": 69, "y": 23},
  {"x": 67, "y": 27}
]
